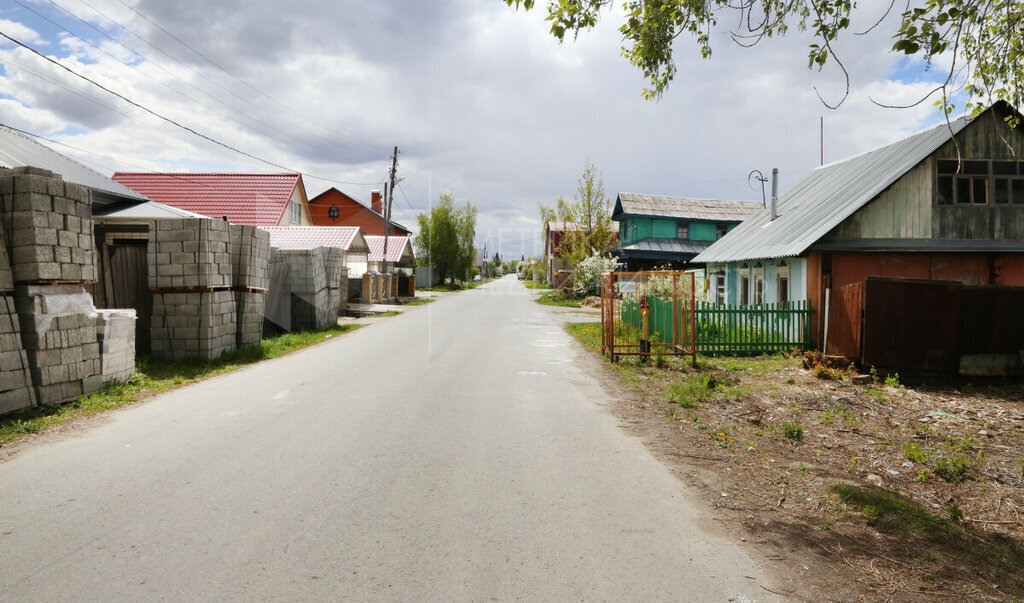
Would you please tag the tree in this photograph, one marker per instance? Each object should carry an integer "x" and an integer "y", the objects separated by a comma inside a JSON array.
[
  {"x": 445, "y": 238},
  {"x": 588, "y": 219},
  {"x": 983, "y": 38}
]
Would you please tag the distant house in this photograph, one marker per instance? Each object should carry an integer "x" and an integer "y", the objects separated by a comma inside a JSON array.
[
  {"x": 251, "y": 199},
  {"x": 555, "y": 267},
  {"x": 346, "y": 238},
  {"x": 659, "y": 231},
  {"x": 399, "y": 254},
  {"x": 909, "y": 210},
  {"x": 334, "y": 208}
]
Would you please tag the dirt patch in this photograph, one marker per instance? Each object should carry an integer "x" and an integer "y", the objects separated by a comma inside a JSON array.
[{"x": 847, "y": 492}]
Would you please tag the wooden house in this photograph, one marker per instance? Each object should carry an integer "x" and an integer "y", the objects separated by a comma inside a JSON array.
[
  {"x": 659, "y": 231},
  {"x": 943, "y": 206}
]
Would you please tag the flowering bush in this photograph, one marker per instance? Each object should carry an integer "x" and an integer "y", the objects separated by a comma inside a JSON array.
[{"x": 586, "y": 278}]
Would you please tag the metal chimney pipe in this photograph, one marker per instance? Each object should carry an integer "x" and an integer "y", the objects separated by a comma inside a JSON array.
[{"x": 775, "y": 193}]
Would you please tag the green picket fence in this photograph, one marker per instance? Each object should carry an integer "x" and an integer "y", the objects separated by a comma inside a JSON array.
[
  {"x": 729, "y": 328},
  {"x": 761, "y": 329}
]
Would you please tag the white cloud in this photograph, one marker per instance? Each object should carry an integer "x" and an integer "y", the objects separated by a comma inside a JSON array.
[{"x": 480, "y": 99}]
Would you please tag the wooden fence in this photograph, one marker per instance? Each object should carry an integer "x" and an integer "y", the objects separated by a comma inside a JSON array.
[{"x": 761, "y": 329}]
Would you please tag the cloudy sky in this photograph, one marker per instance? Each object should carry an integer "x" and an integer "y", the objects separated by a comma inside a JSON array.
[{"x": 479, "y": 98}]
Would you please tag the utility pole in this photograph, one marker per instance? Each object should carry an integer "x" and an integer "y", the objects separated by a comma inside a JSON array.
[{"x": 389, "y": 200}]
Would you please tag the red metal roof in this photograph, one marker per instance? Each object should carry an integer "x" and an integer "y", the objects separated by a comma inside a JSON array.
[
  {"x": 398, "y": 247},
  {"x": 253, "y": 199},
  {"x": 342, "y": 237}
]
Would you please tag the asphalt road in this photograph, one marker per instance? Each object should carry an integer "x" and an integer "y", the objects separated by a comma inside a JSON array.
[{"x": 459, "y": 451}]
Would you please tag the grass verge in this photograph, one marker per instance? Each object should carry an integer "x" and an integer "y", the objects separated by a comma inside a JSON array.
[
  {"x": 555, "y": 298},
  {"x": 536, "y": 285},
  {"x": 156, "y": 376},
  {"x": 419, "y": 302}
]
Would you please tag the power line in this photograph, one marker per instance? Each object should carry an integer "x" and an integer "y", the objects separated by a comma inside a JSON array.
[
  {"x": 237, "y": 78},
  {"x": 225, "y": 89},
  {"x": 158, "y": 115}
]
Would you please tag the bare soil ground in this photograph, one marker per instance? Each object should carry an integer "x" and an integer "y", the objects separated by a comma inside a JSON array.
[{"x": 849, "y": 491}]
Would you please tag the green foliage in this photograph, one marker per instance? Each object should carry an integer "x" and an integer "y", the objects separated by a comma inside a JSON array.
[
  {"x": 590, "y": 213},
  {"x": 1020, "y": 466},
  {"x": 981, "y": 40},
  {"x": 587, "y": 333},
  {"x": 826, "y": 373},
  {"x": 893, "y": 380},
  {"x": 557, "y": 298},
  {"x": 692, "y": 390},
  {"x": 793, "y": 431},
  {"x": 956, "y": 467},
  {"x": 838, "y": 413},
  {"x": 445, "y": 239},
  {"x": 915, "y": 453}
]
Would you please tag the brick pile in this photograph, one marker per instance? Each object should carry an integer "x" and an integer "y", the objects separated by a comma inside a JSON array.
[
  {"x": 58, "y": 330},
  {"x": 250, "y": 259},
  {"x": 49, "y": 227},
  {"x": 191, "y": 273},
  {"x": 48, "y": 257},
  {"x": 307, "y": 288}
]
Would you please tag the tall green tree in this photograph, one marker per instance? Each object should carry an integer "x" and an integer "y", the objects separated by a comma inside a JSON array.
[
  {"x": 589, "y": 227},
  {"x": 445, "y": 238},
  {"x": 984, "y": 39}
]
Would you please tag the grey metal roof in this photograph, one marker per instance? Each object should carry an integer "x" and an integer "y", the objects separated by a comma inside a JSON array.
[
  {"x": 663, "y": 247},
  {"x": 825, "y": 197},
  {"x": 18, "y": 150},
  {"x": 682, "y": 207},
  {"x": 150, "y": 210}
]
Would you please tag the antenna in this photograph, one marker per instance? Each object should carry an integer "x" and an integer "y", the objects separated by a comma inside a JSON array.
[{"x": 760, "y": 178}]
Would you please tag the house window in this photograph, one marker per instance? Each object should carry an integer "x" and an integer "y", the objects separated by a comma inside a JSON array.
[
  {"x": 782, "y": 284},
  {"x": 758, "y": 278},
  {"x": 682, "y": 230},
  {"x": 720, "y": 230},
  {"x": 720, "y": 289},
  {"x": 744, "y": 286},
  {"x": 332, "y": 212},
  {"x": 979, "y": 182},
  {"x": 294, "y": 212}
]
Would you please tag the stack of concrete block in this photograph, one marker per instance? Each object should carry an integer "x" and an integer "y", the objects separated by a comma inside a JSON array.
[
  {"x": 189, "y": 253},
  {"x": 191, "y": 273},
  {"x": 115, "y": 332},
  {"x": 16, "y": 390},
  {"x": 337, "y": 281},
  {"x": 16, "y": 383},
  {"x": 307, "y": 284},
  {"x": 193, "y": 324},
  {"x": 250, "y": 258},
  {"x": 58, "y": 330},
  {"x": 49, "y": 223}
]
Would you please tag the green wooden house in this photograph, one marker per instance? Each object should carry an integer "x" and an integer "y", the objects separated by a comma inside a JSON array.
[{"x": 658, "y": 231}]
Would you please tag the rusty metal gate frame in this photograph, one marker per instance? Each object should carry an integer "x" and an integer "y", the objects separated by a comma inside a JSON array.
[{"x": 670, "y": 312}]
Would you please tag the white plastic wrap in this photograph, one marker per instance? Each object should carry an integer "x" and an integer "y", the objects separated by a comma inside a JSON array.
[
  {"x": 59, "y": 300},
  {"x": 116, "y": 329}
]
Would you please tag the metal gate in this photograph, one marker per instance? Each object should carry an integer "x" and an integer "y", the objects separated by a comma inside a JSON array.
[{"x": 648, "y": 314}]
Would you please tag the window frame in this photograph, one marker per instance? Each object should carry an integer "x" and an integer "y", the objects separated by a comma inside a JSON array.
[{"x": 992, "y": 186}]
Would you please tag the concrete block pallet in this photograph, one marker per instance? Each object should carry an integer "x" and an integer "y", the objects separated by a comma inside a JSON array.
[
  {"x": 193, "y": 324},
  {"x": 115, "y": 333},
  {"x": 250, "y": 306},
  {"x": 190, "y": 253},
  {"x": 307, "y": 285},
  {"x": 58, "y": 331},
  {"x": 250, "y": 257},
  {"x": 48, "y": 223},
  {"x": 16, "y": 391}
]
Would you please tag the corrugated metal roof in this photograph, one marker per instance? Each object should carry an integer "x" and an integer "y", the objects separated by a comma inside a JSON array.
[
  {"x": 682, "y": 207},
  {"x": 149, "y": 210},
  {"x": 303, "y": 237},
  {"x": 253, "y": 199},
  {"x": 399, "y": 248},
  {"x": 664, "y": 246},
  {"x": 826, "y": 197},
  {"x": 18, "y": 150}
]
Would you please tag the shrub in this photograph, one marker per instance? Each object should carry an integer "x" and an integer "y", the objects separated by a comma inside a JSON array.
[
  {"x": 915, "y": 453},
  {"x": 793, "y": 431},
  {"x": 586, "y": 277}
]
